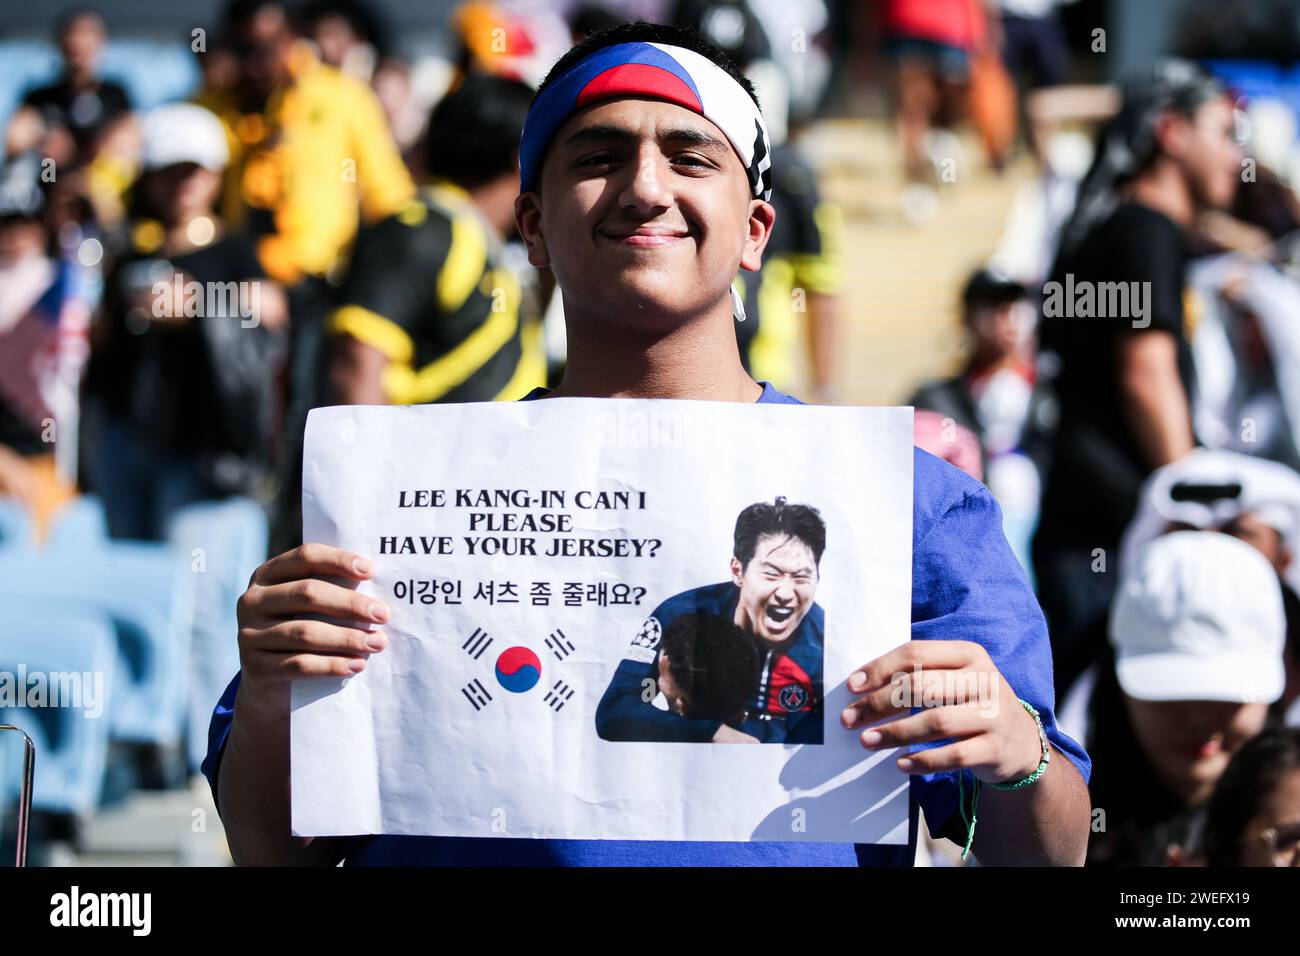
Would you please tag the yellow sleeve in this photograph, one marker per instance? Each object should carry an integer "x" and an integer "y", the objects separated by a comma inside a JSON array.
[
  {"x": 382, "y": 178},
  {"x": 820, "y": 272}
]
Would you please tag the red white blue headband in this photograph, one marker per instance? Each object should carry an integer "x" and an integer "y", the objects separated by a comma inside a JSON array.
[{"x": 662, "y": 71}]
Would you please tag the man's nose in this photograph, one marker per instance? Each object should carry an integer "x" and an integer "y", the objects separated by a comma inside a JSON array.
[{"x": 647, "y": 190}]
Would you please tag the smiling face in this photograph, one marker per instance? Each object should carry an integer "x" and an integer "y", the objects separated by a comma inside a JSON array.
[
  {"x": 777, "y": 586},
  {"x": 644, "y": 213}
]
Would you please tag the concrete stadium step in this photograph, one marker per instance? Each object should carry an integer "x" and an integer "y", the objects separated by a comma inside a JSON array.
[{"x": 901, "y": 279}]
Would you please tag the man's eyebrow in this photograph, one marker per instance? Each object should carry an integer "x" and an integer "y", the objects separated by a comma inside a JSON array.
[
  {"x": 802, "y": 569},
  {"x": 603, "y": 133}
]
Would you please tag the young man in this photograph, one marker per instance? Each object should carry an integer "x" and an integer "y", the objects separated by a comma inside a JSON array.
[
  {"x": 644, "y": 170},
  {"x": 1126, "y": 373},
  {"x": 776, "y": 552}
]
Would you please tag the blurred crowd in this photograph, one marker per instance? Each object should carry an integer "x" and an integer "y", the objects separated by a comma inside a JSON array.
[{"x": 326, "y": 220}]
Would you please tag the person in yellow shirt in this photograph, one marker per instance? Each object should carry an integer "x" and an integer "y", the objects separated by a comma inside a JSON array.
[
  {"x": 311, "y": 158},
  {"x": 312, "y": 148}
]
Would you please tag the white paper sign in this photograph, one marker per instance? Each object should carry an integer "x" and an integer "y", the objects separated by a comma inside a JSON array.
[{"x": 572, "y": 627}]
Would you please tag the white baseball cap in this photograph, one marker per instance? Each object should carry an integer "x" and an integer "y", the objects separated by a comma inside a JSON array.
[
  {"x": 1208, "y": 488},
  {"x": 1199, "y": 617},
  {"x": 184, "y": 133}
]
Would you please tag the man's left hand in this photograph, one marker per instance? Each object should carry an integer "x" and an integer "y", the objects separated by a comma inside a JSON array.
[{"x": 963, "y": 696}]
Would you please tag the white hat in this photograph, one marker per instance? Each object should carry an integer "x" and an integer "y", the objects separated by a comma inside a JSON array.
[
  {"x": 184, "y": 133},
  {"x": 1183, "y": 493},
  {"x": 1199, "y": 617}
]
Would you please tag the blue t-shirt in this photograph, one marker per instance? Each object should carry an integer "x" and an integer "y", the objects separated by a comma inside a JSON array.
[{"x": 966, "y": 586}]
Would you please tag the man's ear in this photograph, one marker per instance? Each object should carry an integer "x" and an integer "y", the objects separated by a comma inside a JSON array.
[
  {"x": 528, "y": 220},
  {"x": 737, "y": 572},
  {"x": 1173, "y": 132},
  {"x": 761, "y": 219}
]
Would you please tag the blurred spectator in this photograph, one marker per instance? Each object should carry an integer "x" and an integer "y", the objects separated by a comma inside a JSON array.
[
  {"x": 46, "y": 295},
  {"x": 348, "y": 35},
  {"x": 1041, "y": 208},
  {"x": 731, "y": 24},
  {"x": 1253, "y": 817},
  {"x": 180, "y": 379},
  {"x": 1113, "y": 317},
  {"x": 800, "y": 32},
  {"x": 392, "y": 83},
  {"x": 516, "y": 39},
  {"x": 791, "y": 303},
  {"x": 26, "y": 273},
  {"x": 1033, "y": 41},
  {"x": 996, "y": 394},
  {"x": 218, "y": 72},
  {"x": 79, "y": 102},
  {"x": 312, "y": 145},
  {"x": 1248, "y": 498},
  {"x": 313, "y": 155},
  {"x": 931, "y": 43},
  {"x": 1247, "y": 354},
  {"x": 1197, "y": 630},
  {"x": 430, "y": 311}
]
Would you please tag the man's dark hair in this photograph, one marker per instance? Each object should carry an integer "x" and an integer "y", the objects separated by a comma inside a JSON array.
[
  {"x": 592, "y": 18},
  {"x": 639, "y": 31},
  {"x": 474, "y": 130},
  {"x": 1250, "y": 778},
  {"x": 714, "y": 663},
  {"x": 794, "y": 521}
]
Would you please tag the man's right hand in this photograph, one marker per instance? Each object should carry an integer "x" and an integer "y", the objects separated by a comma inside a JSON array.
[{"x": 279, "y": 639}]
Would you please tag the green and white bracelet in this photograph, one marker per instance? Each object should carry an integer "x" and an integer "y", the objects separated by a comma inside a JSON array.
[
  {"x": 969, "y": 816},
  {"x": 1042, "y": 764}
]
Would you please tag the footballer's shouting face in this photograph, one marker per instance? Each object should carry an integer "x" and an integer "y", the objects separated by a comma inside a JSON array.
[
  {"x": 777, "y": 586},
  {"x": 645, "y": 215}
]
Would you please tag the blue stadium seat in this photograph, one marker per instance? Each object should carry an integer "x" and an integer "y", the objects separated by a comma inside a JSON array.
[
  {"x": 146, "y": 592},
  {"x": 224, "y": 542},
  {"x": 71, "y": 743}
]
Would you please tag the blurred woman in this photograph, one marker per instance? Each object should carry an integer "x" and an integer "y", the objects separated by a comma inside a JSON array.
[
  {"x": 180, "y": 378},
  {"x": 1254, "y": 815}
]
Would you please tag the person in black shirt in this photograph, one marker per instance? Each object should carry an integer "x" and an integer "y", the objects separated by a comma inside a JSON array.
[
  {"x": 179, "y": 385},
  {"x": 431, "y": 310},
  {"x": 79, "y": 101},
  {"x": 1113, "y": 316}
]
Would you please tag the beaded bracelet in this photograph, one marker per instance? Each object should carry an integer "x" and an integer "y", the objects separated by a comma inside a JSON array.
[
  {"x": 1042, "y": 764},
  {"x": 968, "y": 818}
]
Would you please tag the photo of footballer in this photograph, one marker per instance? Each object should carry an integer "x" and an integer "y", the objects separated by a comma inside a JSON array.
[{"x": 734, "y": 662}]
